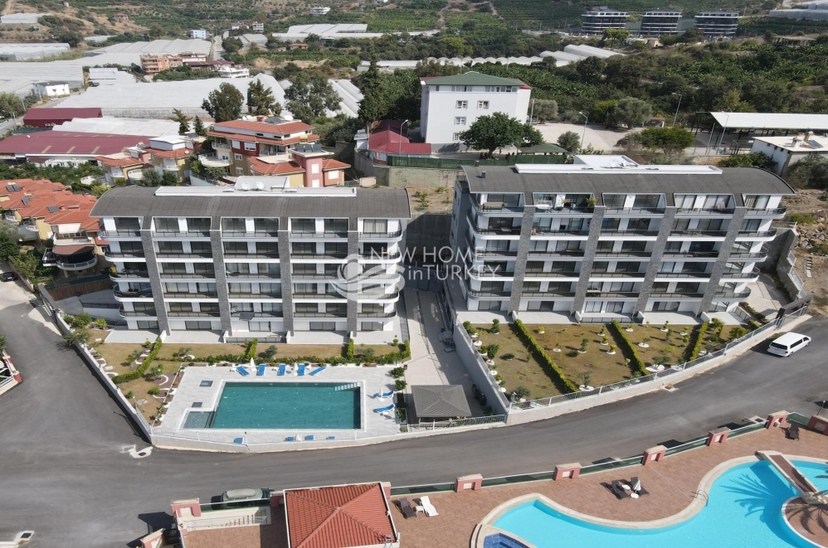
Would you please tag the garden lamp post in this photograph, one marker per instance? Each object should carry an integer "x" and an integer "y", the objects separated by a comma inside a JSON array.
[
  {"x": 675, "y": 116},
  {"x": 399, "y": 149}
]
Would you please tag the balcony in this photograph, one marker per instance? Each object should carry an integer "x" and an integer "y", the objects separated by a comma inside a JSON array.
[
  {"x": 192, "y": 295},
  {"x": 187, "y": 275},
  {"x": 490, "y": 273},
  {"x": 551, "y": 274},
  {"x": 731, "y": 295},
  {"x": 270, "y": 295},
  {"x": 129, "y": 274},
  {"x": 489, "y": 293},
  {"x": 756, "y": 234},
  {"x": 259, "y": 314},
  {"x": 573, "y": 253},
  {"x": 110, "y": 234},
  {"x": 194, "y": 314},
  {"x": 751, "y": 276},
  {"x": 480, "y": 253},
  {"x": 318, "y": 256},
  {"x": 595, "y": 274},
  {"x": 497, "y": 207},
  {"x": 131, "y": 295},
  {"x": 593, "y": 294},
  {"x": 256, "y": 234},
  {"x": 671, "y": 296},
  {"x": 318, "y": 296},
  {"x": 624, "y": 254},
  {"x": 124, "y": 255},
  {"x": 81, "y": 261},
  {"x": 179, "y": 234},
  {"x": 212, "y": 160},
  {"x": 711, "y": 255},
  {"x": 704, "y": 211},
  {"x": 380, "y": 235},
  {"x": 308, "y": 235},
  {"x": 136, "y": 313},
  {"x": 274, "y": 254},
  {"x": 540, "y": 231},
  {"x": 320, "y": 314},
  {"x": 542, "y": 206},
  {"x": 760, "y": 255},
  {"x": 221, "y": 145},
  {"x": 374, "y": 256},
  {"x": 184, "y": 255},
  {"x": 623, "y": 233},
  {"x": 547, "y": 294},
  {"x": 769, "y": 212},
  {"x": 682, "y": 275},
  {"x": 638, "y": 211},
  {"x": 377, "y": 314},
  {"x": 254, "y": 276},
  {"x": 699, "y": 233}
]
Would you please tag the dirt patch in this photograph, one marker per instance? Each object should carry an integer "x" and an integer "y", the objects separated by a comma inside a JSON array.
[
  {"x": 811, "y": 215},
  {"x": 430, "y": 199}
]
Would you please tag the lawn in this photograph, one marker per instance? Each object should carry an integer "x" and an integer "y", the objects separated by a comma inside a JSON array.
[{"x": 664, "y": 347}]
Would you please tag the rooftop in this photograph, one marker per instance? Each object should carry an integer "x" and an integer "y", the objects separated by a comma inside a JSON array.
[
  {"x": 798, "y": 143},
  {"x": 772, "y": 120},
  {"x": 341, "y": 516},
  {"x": 285, "y": 128},
  {"x": 273, "y": 200},
  {"x": 119, "y": 126},
  {"x": 61, "y": 113},
  {"x": 54, "y": 143},
  {"x": 440, "y": 401},
  {"x": 44, "y": 199},
  {"x": 391, "y": 142},
  {"x": 472, "y": 78}
]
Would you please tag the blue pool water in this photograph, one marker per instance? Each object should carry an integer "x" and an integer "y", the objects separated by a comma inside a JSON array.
[
  {"x": 251, "y": 405},
  {"x": 744, "y": 510}
]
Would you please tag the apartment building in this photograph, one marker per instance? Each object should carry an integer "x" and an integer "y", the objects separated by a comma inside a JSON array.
[
  {"x": 170, "y": 154},
  {"x": 599, "y": 19},
  {"x": 607, "y": 238},
  {"x": 198, "y": 33},
  {"x": 153, "y": 63},
  {"x": 255, "y": 260},
  {"x": 660, "y": 22},
  {"x": 451, "y": 104},
  {"x": 718, "y": 24}
]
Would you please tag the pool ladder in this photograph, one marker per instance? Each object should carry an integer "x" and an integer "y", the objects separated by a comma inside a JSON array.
[
  {"x": 346, "y": 386},
  {"x": 701, "y": 494}
]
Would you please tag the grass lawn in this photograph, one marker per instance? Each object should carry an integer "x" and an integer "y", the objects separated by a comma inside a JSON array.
[
  {"x": 664, "y": 348},
  {"x": 522, "y": 370}
]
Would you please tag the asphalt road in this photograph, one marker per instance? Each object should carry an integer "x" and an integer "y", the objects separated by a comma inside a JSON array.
[{"x": 64, "y": 476}]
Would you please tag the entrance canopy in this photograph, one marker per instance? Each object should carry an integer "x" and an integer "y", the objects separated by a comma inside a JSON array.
[{"x": 771, "y": 121}]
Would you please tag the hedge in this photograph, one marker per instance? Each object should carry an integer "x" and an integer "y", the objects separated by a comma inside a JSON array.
[
  {"x": 138, "y": 373},
  {"x": 349, "y": 349},
  {"x": 693, "y": 350},
  {"x": 552, "y": 370},
  {"x": 250, "y": 352},
  {"x": 628, "y": 348}
]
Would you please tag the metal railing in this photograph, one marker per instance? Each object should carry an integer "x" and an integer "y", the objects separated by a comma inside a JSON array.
[
  {"x": 454, "y": 423},
  {"x": 199, "y": 314},
  {"x": 611, "y": 465},
  {"x": 381, "y": 235},
  {"x": 141, "y": 313},
  {"x": 185, "y": 255},
  {"x": 757, "y": 233},
  {"x": 208, "y": 275},
  {"x": 636, "y": 210},
  {"x": 182, "y": 234},
  {"x": 707, "y": 233},
  {"x": 123, "y": 254},
  {"x": 120, "y": 233},
  {"x": 130, "y": 274},
  {"x": 619, "y": 232},
  {"x": 252, "y": 234},
  {"x": 703, "y": 211}
]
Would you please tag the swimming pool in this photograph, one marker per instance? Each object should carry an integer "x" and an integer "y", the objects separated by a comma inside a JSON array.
[
  {"x": 283, "y": 405},
  {"x": 744, "y": 510}
]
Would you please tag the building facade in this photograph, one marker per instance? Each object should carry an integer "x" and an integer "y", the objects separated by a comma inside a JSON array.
[
  {"x": 198, "y": 33},
  {"x": 718, "y": 24},
  {"x": 52, "y": 89},
  {"x": 787, "y": 151},
  {"x": 155, "y": 63},
  {"x": 605, "y": 238},
  {"x": 255, "y": 260},
  {"x": 599, "y": 19},
  {"x": 451, "y": 104},
  {"x": 660, "y": 22}
]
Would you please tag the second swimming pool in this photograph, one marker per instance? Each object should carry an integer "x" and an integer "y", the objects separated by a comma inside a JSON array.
[{"x": 283, "y": 405}]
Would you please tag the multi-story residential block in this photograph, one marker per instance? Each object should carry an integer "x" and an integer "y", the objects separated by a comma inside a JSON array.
[
  {"x": 198, "y": 33},
  {"x": 319, "y": 10},
  {"x": 451, "y": 104},
  {"x": 170, "y": 154},
  {"x": 601, "y": 18},
  {"x": 255, "y": 259},
  {"x": 718, "y": 24},
  {"x": 660, "y": 22},
  {"x": 607, "y": 238},
  {"x": 125, "y": 166},
  {"x": 257, "y": 27},
  {"x": 155, "y": 63},
  {"x": 227, "y": 71}
]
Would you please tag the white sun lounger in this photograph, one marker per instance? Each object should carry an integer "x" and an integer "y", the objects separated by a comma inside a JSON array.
[{"x": 428, "y": 508}]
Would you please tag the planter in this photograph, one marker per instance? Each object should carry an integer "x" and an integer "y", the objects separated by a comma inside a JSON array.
[
  {"x": 556, "y": 350},
  {"x": 581, "y": 351},
  {"x": 604, "y": 343},
  {"x": 644, "y": 345},
  {"x": 490, "y": 362},
  {"x": 664, "y": 330},
  {"x": 541, "y": 332},
  {"x": 629, "y": 329},
  {"x": 610, "y": 352},
  {"x": 683, "y": 334},
  {"x": 584, "y": 388},
  {"x": 475, "y": 336},
  {"x": 478, "y": 344}
]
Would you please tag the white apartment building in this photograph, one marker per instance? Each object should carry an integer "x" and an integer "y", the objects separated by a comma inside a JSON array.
[
  {"x": 788, "y": 150},
  {"x": 599, "y": 19},
  {"x": 52, "y": 89},
  {"x": 255, "y": 261},
  {"x": 606, "y": 238},
  {"x": 718, "y": 24},
  {"x": 451, "y": 104},
  {"x": 660, "y": 22},
  {"x": 198, "y": 33}
]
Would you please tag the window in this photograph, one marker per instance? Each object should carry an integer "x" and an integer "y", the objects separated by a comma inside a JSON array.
[
  {"x": 303, "y": 248},
  {"x": 127, "y": 223},
  {"x": 685, "y": 201},
  {"x": 488, "y": 305},
  {"x": 233, "y": 224},
  {"x": 375, "y": 226},
  {"x": 333, "y": 175},
  {"x": 370, "y": 326},
  {"x": 235, "y": 144},
  {"x": 206, "y": 288},
  {"x": 563, "y": 266},
  {"x": 483, "y": 105},
  {"x": 642, "y": 224},
  {"x": 272, "y": 308},
  {"x": 456, "y": 136},
  {"x": 258, "y": 327},
  {"x": 462, "y": 104},
  {"x": 269, "y": 249},
  {"x": 181, "y": 307},
  {"x": 751, "y": 225},
  {"x": 198, "y": 224},
  {"x": 622, "y": 287},
  {"x": 324, "y": 326},
  {"x": 169, "y": 248},
  {"x": 336, "y": 226},
  {"x": 615, "y": 308},
  {"x": 665, "y": 306},
  {"x": 687, "y": 287},
  {"x": 615, "y": 201},
  {"x": 633, "y": 247},
  {"x": 710, "y": 224},
  {"x": 240, "y": 289},
  {"x": 538, "y": 246},
  {"x": 459, "y": 120},
  {"x": 314, "y": 168},
  {"x": 212, "y": 308},
  {"x": 241, "y": 307},
  {"x": 198, "y": 326},
  {"x": 147, "y": 325},
  {"x": 306, "y": 308},
  {"x": 304, "y": 289},
  {"x": 719, "y": 201},
  {"x": 610, "y": 225},
  {"x": 757, "y": 202},
  {"x": 166, "y": 224},
  {"x": 304, "y": 269},
  {"x": 266, "y": 225},
  {"x": 660, "y": 287},
  {"x": 627, "y": 266},
  {"x": 647, "y": 201},
  {"x": 173, "y": 268},
  {"x": 303, "y": 226},
  {"x": 534, "y": 266},
  {"x": 336, "y": 249},
  {"x": 461, "y": 88},
  {"x": 235, "y": 248},
  {"x": 204, "y": 249},
  {"x": 238, "y": 156},
  {"x": 239, "y": 171},
  {"x": 249, "y": 146}
]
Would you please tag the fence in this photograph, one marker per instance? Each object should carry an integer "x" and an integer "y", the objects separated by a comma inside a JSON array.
[
  {"x": 455, "y": 423},
  {"x": 452, "y": 163},
  {"x": 478, "y": 370}
]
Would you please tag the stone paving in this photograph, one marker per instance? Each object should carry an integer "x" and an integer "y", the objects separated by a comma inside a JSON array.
[{"x": 671, "y": 484}]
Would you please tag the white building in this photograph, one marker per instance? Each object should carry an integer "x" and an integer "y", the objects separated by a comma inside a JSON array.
[
  {"x": 198, "y": 33},
  {"x": 599, "y": 19},
  {"x": 788, "y": 150},
  {"x": 233, "y": 72},
  {"x": 451, "y": 104},
  {"x": 718, "y": 24},
  {"x": 319, "y": 10},
  {"x": 256, "y": 260},
  {"x": 52, "y": 89},
  {"x": 257, "y": 27}
]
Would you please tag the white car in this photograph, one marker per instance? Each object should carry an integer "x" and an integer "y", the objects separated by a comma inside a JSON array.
[{"x": 788, "y": 343}]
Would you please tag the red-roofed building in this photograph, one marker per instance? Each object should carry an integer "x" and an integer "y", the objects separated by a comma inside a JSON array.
[
  {"x": 49, "y": 117},
  {"x": 64, "y": 148},
  {"x": 390, "y": 138},
  {"x": 344, "y": 516}
]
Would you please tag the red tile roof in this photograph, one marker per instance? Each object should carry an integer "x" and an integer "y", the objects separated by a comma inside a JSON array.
[
  {"x": 389, "y": 141},
  {"x": 256, "y": 139},
  {"x": 343, "y": 516},
  {"x": 331, "y": 164},
  {"x": 49, "y": 143},
  {"x": 121, "y": 161},
  {"x": 263, "y": 127},
  {"x": 177, "y": 153},
  {"x": 49, "y": 114},
  {"x": 280, "y": 168},
  {"x": 52, "y": 202}
]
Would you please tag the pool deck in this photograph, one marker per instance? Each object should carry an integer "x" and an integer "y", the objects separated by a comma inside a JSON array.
[
  {"x": 370, "y": 379},
  {"x": 671, "y": 484}
]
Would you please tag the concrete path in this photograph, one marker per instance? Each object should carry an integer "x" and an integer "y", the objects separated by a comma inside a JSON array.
[{"x": 424, "y": 367}]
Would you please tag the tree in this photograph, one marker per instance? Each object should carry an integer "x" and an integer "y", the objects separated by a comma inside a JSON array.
[
  {"x": 260, "y": 101},
  {"x": 224, "y": 103},
  {"x": 2, "y": 343},
  {"x": 310, "y": 96},
  {"x": 614, "y": 37},
  {"x": 497, "y": 131},
  {"x": 630, "y": 112},
  {"x": 546, "y": 110},
  {"x": 198, "y": 127},
  {"x": 78, "y": 336},
  {"x": 169, "y": 179},
  {"x": 150, "y": 178},
  {"x": 231, "y": 44},
  {"x": 373, "y": 105},
  {"x": 8, "y": 243},
  {"x": 754, "y": 159},
  {"x": 667, "y": 139},
  {"x": 569, "y": 141},
  {"x": 812, "y": 171},
  {"x": 590, "y": 70},
  {"x": 183, "y": 121},
  {"x": 11, "y": 104}
]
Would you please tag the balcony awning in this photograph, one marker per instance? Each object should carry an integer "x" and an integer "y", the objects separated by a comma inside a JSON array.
[{"x": 68, "y": 250}]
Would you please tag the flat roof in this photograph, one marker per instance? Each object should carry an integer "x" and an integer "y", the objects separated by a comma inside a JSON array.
[
  {"x": 120, "y": 126},
  {"x": 771, "y": 120},
  {"x": 46, "y": 113},
  {"x": 735, "y": 181},
  {"x": 437, "y": 401},
  {"x": 472, "y": 78},
  {"x": 217, "y": 202},
  {"x": 800, "y": 144}
]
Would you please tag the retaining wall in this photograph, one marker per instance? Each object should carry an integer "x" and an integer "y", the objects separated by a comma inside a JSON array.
[{"x": 479, "y": 372}]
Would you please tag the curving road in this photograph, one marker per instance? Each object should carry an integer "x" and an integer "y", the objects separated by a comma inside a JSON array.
[{"x": 63, "y": 474}]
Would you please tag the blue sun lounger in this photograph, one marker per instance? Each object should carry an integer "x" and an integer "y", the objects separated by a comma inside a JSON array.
[
  {"x": 302, "y": 367},
  {"x": 309, "y": 437},
  {"x": 238, "y": 441},
  {"x": 317, "y": 371},
  {"x": 383, "y": 395},
  {"x": 242, "y": 371},
  {"x": 290, "y": 438},
  {"x": 384, "y": 409},
  {"x": 260, "y": 370},
  {"x": 281, "y": 372}
]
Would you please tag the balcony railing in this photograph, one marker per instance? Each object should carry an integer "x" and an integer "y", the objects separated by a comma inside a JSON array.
[
  {"x": 761, "y": 254},
  {"x": 494, "y": 253},
  {"x": 497, "y": 206},
  {"x": 378, "y": 314},
  {"x": 682, "y": 274},
  {"x": 542, "y": 206},
  {"x": 381, "y": 256},
  {"x": 550, "y": 294},
  {"x": 253, "y": 234},
  {"x": 557, "y": 253},
  {"x": 598, "y": 274},
  {"x": 252, "y": 254},
  {"x": 592, "y": 294},
  {"x": 757, "y": 234},
  {"x": 324, "y": 255},
  {"x": 132, "y": 294},
  {"x": 557, "y": 274},
  {"x": 491, "y": 273},
  {"x": 193, "y": 295},
  {"x": 179, "y": 275},
  {"x": 705, "y": 211},
  {"x": 268, "y": 295},
  {"x": 298, "y": 314},
  {"x": 732, "y": 294},
  {"x": 184, "y": 255},
  {"x": 313, "y": 296},
  {"x": 141, "y": 313},
  {"x": 503, "y": 231},
  {"x": 380, "y": 235},
  {"x": 657, "y": 296},
  {"x": 625, "y": 254},
  {"x": 706, "y": 233},
  {"x": 259, "y": 314},
  {"x": 253, "y": 276},
  {"x": 618, "y": 232},
  {"x": 693, "y": 254},
  {"x": 323, "y": 234},
  {"x": 489, "y": 293},
  {"x": 69, "y": 264},
  {"x": 536, "y": 230},
  {"x": 123, "y": 254},
  {"x": 180, "y": 234},
  {"x": 129, "y": 274},
  {"x": 768, "y": 211},
  {"x": 753, "y": 273},
  {"x": 635, "y": 210},
  {"x": 194, "y": 314},
  {"x": 119, "y": 233}
]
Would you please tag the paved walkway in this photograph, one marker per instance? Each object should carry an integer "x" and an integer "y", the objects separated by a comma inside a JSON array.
[{"x": 671, "y": 484}]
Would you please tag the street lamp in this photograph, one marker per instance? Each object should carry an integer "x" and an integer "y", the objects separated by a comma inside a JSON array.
[
  {"x": 583, "y": 134},
  {"x": 677, "y": 108},
  {"x": 399, "y": 149}
]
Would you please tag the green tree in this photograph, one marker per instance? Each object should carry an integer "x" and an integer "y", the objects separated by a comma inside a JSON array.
[
  {"x": 150, "y": 177},
  {"x": 198, "y": 127},
  {"x": 310, "y": 96},
  {"x": 497, "y": 131},
  {"x": 812, "y": 171},
  {"x": 666, "y": 139},
  {"x": 2, "y": 343},
  {"x": 8, "y": 243},
  {"x": 600, "y": 112},
  {"x": 78, "y": 336},
  {"x": 630, "y": 112},
  {"x": 169, "y": 179},
  {"x": 183, "y": 121},
  {"x": 590, "y": 70},
  {"x": 11, "y": 104},
  {"x": 224, "y": 103},
  {"x": 454, "y": 46},
  {"x": 569, "y": 141},
  {"x": 614, "y": 37},
  {"x": 546, "y": 110},
  {"x": 373, "y": 105},
  {"x": 231, "y": 44},
  {"x": 260, "y": 101},
  {"x": 754, "y": 159}
]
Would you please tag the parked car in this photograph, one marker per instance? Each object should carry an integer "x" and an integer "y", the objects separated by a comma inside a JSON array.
[
  {"x": 8, "y": 276},
  {"x": 788, "y": 343},
  {"x": 240, "y": 498}
]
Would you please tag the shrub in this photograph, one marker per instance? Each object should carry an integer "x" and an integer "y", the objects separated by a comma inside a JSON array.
[
  {"x": 397, "y": 372},
  {"x": 81, "y": 320},
  {"x": 469, "y": 329},
  {"x": 129, "y": 395},
  {"x": 139, "y": 372},
  {"x": 628, "y": 349},
  {"x": 801, "y": 218},
  {"x": 551, "y": 368},
  {"x": 737, "y": 332},
  {"x": 100, "y": 323},
  {"x": 349, "y": 349},
  {"x": 495, "y": 327},
  {"x": 80, "y": 335},
  {"x": 400, "y": 384},
  {"x": 521, "y": 392},
  {"x": 491, "y": 350},
  {"x": 584, "y": 343},
  {"x": 250, "y": 351},
  {"x": 693, "y": 350},
  {"x": 269, "y": 353},
  {"x": 154, "y": 391},
  {"x": 507, "y": 356}
]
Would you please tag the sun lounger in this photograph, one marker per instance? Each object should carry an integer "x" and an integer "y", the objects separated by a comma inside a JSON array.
[
  {"x": 281, "y": 371},
  {"x": 242, "y": 371},
  {"x": 309, "y": 437},
  {"x": 793, "y": 432},
  {"x": 260, "y": 370},
  {"x": 238, "y": 441},
  {"x": 637, "y": 488},
  {"x": 317, "y": 371},
  {"x": 428, "y": 508},
  {"x": 619, "y": 490},
  {"x": 330, "y": 438},
  {"x": 290, "y": 438},
  {"x": 383, "y": 395},
  {"x": 406, "y": 508},
  {"x": 384, "y": 409},
  {"x": 301, "y": 371}
]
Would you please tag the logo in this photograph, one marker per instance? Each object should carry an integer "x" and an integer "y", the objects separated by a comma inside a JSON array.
[{"x": 368, "y": 280}]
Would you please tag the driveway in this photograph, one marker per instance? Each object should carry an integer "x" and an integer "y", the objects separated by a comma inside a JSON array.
[{"x": 65, "y": 477}]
